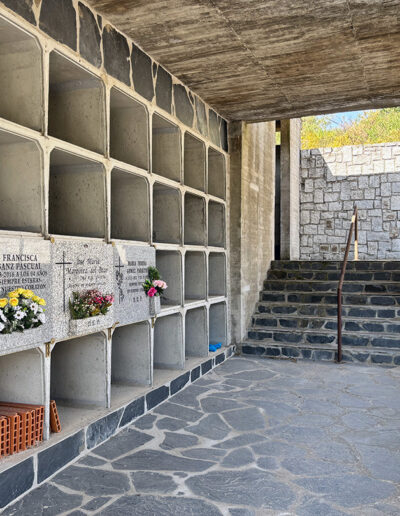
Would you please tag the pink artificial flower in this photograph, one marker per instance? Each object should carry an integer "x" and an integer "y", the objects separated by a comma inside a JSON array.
[
  {"x": 152, "y": 292},
  {"x": 160, "y": 284}
]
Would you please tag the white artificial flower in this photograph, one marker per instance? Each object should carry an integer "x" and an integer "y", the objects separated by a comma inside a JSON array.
[
  {"x": 35, "y": 320},
  {"x": 19, "y": 315},
  {"x": 2, "y": 326},
  {"x": 42, "y": 318},
  {"x": 2, "y": 316},
  {"x": 34, "y": 307}
]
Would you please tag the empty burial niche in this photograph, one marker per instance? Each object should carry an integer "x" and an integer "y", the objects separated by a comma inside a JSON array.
[
  {"x": 76, "y": 105},
  {"x": 76, "y": 196},
  {"x": 130, "y": 212},
  {"x": 131, "y": 355},
  {"x": 169, "y": 263},
  {"x": 169, "y": 350},
  {"x": 195, "y": 276},
  {"x": 216, "y": 274},
  {"x": 167, "y": 218},
  {"x": 21, "y": 184},
  {"x": 217, "y": 323},
  {"x": 195, "y": 220},
  {"x": 22, "y": 377},
  {"x": 216, "y": 174},
  {"x": 194, "y": 162},
  {"x": 129, "y": 130},
  {"x": 196, "y": 342},
  {"x": 21, "y": 80},
  {"x": 166, "y": 149},
  {"x": 216, "y": 224},
  {"x": 79, "y": 371}
]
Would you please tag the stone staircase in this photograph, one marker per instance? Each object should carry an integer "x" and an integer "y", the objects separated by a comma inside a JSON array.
[{"x": 296, "y": 314}]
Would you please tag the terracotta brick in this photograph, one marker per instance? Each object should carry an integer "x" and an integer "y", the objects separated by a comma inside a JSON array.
[
  {"x": 4, "y": 429},
  {"x": 38, "y": 416},
  {"x": 14, "y": 429},
  {"x": 55, "y": 424}
]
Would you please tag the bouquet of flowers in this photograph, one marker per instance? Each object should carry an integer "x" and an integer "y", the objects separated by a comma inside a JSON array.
[
  {"x": 21, "y": 310},
  {"x": 90, "y": 304},
  {"x": 154, "y": 285}
]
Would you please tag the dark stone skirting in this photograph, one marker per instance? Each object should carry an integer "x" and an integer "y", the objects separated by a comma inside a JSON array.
[{"x": 364, "y": 355}]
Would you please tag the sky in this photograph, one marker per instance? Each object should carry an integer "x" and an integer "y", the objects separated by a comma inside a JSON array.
[{"x": 348, "y": 116}]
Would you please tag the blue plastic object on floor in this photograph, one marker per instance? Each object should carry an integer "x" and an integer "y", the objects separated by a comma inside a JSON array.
[{"x": 213, "y": 346}]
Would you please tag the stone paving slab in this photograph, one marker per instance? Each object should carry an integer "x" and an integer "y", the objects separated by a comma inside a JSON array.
[{"x": 255, "y": 437}]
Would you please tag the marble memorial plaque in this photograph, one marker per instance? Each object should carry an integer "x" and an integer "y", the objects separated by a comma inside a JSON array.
[
  {"x": 78, "y": 267},
  {"x": 26, "y": 263},
  {"x": 131, "y": 263}
]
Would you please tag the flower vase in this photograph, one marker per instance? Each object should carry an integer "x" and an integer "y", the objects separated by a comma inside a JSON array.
[{"x": 154, "y": 305}]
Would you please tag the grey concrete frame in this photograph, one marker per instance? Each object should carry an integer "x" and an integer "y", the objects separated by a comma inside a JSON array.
[{"x": 55, "y": 153}]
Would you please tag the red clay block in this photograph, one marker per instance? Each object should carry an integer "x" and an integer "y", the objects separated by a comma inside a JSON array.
[
  {"x": 55, "y": 424},
  {"x": 38, "y": 417},
  {"x": 14, "y": 430},
  {"x": 4, "y": 430}
]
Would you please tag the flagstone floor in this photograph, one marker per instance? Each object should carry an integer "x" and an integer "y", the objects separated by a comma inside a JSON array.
[{"x": 253, "y": 437}]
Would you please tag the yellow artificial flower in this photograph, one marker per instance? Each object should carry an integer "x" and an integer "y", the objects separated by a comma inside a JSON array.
[
  {"x": 20, "y": 290},
  {"x": 14, "y": 293},
  {"x": 27, "y": 294},
  {"x": 42, "y": 302},
  {"x": 13, "y": 301},
  {"x": 36, "y": 299},
  {"x": 3, "y": 302}
]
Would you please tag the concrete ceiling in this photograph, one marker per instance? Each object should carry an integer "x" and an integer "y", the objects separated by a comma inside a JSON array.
[{"x": 267, "y": 59}]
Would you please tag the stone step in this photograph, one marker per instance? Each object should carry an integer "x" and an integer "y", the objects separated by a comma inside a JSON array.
[
  {"x": 381, "y": 265},
  {"x": 324, "y": 286},
  {"x": 326, "y": 324},
  {"x": 373, "y": 356},
  {"x": 306, "y": 275},
  {"x": 330, "y": 298},
  {"x": 326, "y": 310},
  {"x": 288, "y": 336}
]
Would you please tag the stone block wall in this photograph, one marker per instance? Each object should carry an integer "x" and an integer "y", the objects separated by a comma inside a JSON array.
[{"x": 333, "y": 181}]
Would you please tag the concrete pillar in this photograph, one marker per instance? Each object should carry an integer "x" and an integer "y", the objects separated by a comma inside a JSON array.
[
  {"x": 235, "y": 251},
  {"x": 252, "y": 195},
  {"x": 290, "y": 170}
]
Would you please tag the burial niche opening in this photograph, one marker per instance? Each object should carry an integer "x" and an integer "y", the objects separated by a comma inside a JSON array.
[
  {"x": 166, "y": 149},
  {"x": 130, "y": 212},
  {"x": 216, "y": 224},
  {"x": 195, "y": 220},
  {"x": 131, "y": 355},
  {"x": 217, "y": 323},
  {"x": 169, "y": 263},
  {"x": 195, "y": 276},
  {"x": 21, "y": 184},
  {"x": 21, "y": 81},
  {"x": 76, "y": 196},
  {"x": 167, "y": 218},
  {"x": 76, "y": 105},
  {"x": 129, "y": 130},
  {"x": 216, "y": 174},
  {"x": 168, "y": 343},
  {"x": 196, "y": 343},
  {"x": 194, "y": 162},
  {"x": 216, "y": 274}
]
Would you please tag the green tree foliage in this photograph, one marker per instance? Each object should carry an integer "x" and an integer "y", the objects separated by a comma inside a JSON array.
[{"x": 377, "y": 126}]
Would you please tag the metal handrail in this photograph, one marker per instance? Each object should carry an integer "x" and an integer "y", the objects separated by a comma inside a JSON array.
[{"x": 353, "y": 226}]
